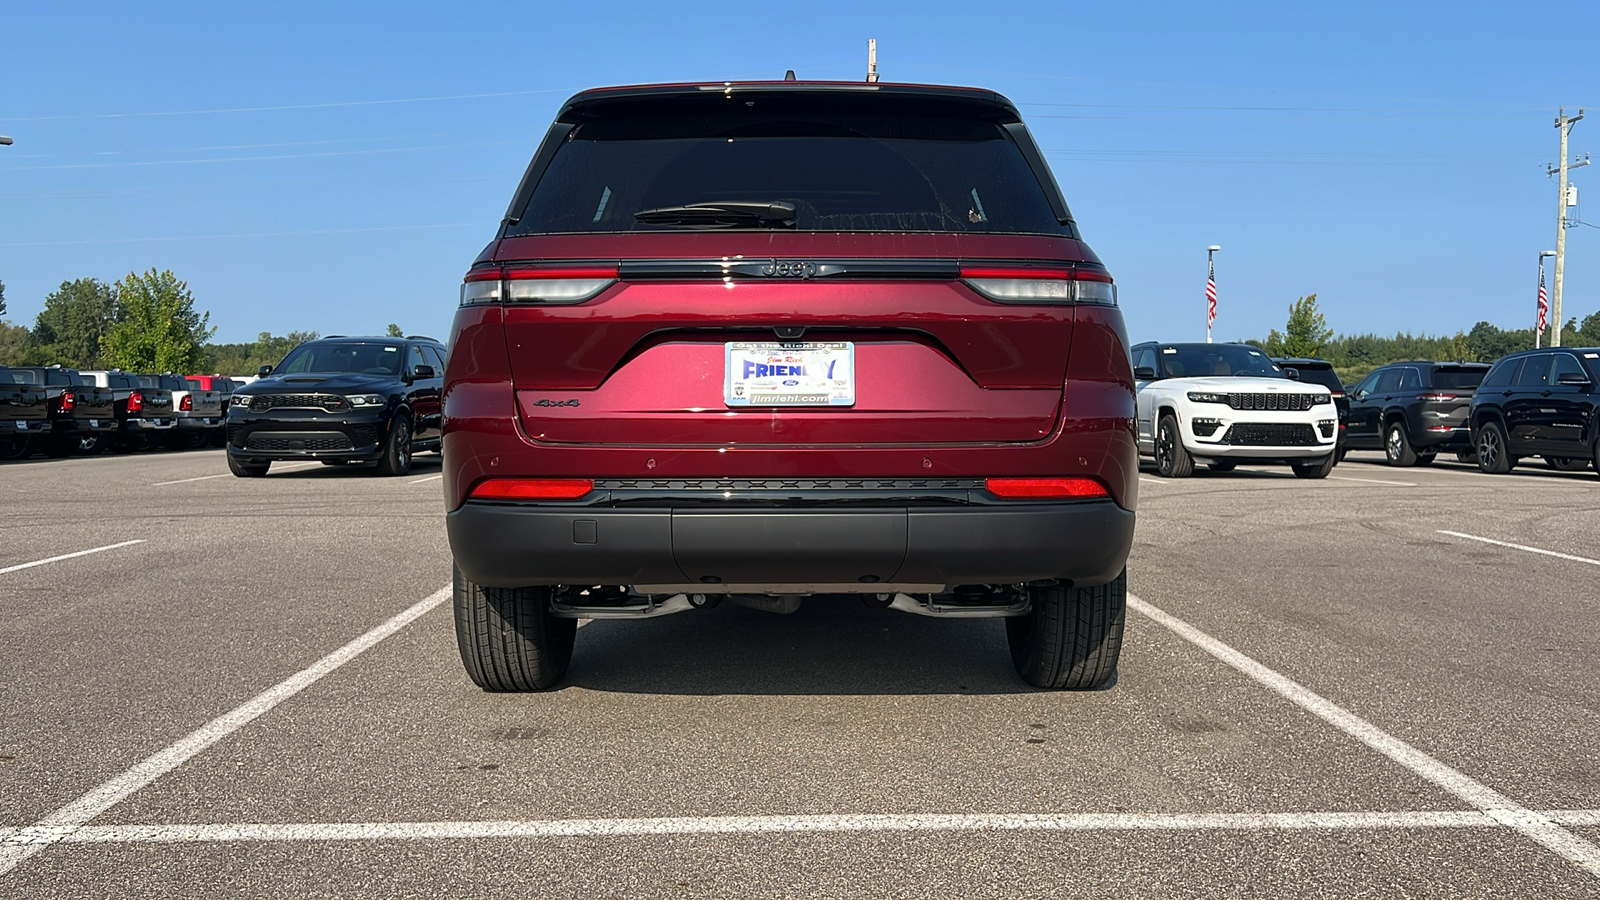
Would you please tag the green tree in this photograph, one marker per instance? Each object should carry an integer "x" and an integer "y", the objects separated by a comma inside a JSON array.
[
  {"x": 2, "y": 298},
  {"x": 13, "y": 344},
  {"x": 74, "y": 322},
  {"x": 394, "y": 330},
  {"x": 1306, "y": 332},
  {"x": 266, "y": 350},
  {"x": 157, "y": 328}
]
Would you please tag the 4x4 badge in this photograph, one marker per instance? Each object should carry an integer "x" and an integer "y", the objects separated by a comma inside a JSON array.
[{"x": 545, "y": 401}]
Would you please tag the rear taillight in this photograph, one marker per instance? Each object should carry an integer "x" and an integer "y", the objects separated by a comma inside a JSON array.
[
  {"x": 1045, "y": 488},
  {"x": 68, "y": 401},
  {"x": 531, "y": 488},
  {"x": 135, "y": 402},
  {"x": 1038, "y": 284},
  {"x": 187, "y": 403},
  {"x": 548, "y": 285},
  {"x": 1436, "y": 397}
]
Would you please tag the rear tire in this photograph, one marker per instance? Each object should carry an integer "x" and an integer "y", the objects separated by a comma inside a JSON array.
[
  {"x": 1317, "y": 468},
  {"x": 396, "y": 458},
  {"x": 1172, "y": 460},
  {"x": 1222, "y": 465},
  {"x": 1397, "y": 447},
  {"x": 1493, "y": 455},
  {"x": 1566, "y": 463},
  {"x": 1072, "y": 637},
  {"x": 508, "y": 639},
  {"x": 247, "y": 469}
]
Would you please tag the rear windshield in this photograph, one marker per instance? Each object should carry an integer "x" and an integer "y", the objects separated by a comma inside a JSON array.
[
  {"x": 370, "y": 359},
  {"x": 1457, "y": 377},
  {"x": 25, "y": 376},
  {"x": 148, "y": 382},
  {"x": 1323, "y": 375},
  {"x": 1194, "y": 360},
  {"x": 841, "y": 172}
]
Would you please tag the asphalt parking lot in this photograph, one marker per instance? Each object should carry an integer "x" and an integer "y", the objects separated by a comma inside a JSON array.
[{"x": 1378, "y": 685}]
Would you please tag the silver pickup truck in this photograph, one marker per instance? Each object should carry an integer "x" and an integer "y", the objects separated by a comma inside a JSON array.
[{"x": 199, "y": 412}]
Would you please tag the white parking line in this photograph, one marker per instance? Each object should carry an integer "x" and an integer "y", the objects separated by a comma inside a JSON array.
[
  {"x": 1473, "y": 537},
  {"x": 63, "y": 822},
  {"x": 278, "y": 466},
  {"x": 1373, "y": 481},
  {"x": 674, "y": 826},
  {"x": 39, "y": 562},
  {"x": 428, "y": 479},
  {"x": 1150, "y": 480},
  {"x": 1474, "y": 793}
]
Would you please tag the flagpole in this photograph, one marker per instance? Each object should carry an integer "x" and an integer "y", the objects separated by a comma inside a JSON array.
[
  {"x": 1211, "y": 289},
  {"x": 1539, "y": 322}
]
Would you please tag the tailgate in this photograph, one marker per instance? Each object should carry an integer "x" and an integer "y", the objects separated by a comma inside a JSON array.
[
  {"x": 644, "y": 363},
  {"x": 22, "y": 403}
]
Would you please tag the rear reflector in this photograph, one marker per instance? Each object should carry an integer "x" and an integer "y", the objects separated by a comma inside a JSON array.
[
  {"x": 550, "y": 285},
  {"x": 1043, "y": 488},
  {"x": 1040, "y": 284},
  {"x": 531, "y": 488}
]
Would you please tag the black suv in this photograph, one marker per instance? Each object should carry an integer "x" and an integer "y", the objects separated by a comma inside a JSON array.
[
  {"x": 1538, "y": 402},
  {"x": 1320, "y": 371},
  {"x": 340, "y": 400},
  {"x": 1413, "y": 410}
]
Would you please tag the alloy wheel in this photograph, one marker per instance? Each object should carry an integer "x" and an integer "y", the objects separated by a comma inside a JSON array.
[{"x": 1489, "y": 448}]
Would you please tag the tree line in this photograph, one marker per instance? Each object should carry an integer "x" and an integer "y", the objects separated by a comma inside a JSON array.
[
  {"x": 1306, "y": 333},
  {"x": 143, "y": 322}
]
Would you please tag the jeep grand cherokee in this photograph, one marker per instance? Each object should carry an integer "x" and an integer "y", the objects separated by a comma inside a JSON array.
[{"x": 765, "y": 341}]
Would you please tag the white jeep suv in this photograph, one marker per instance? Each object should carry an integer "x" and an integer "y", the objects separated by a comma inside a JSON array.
[{"x": 1226, "y": 403}]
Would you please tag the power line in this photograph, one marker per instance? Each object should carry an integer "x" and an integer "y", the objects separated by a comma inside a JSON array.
[{"x": 282, "y": 108}]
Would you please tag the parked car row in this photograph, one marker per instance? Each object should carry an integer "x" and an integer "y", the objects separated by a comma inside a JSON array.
[
  {"x": 1536, "y": 403},
  {"x": 60, "y": 411}
]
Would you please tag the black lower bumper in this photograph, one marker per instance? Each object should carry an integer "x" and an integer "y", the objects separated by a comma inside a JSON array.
[{"x": 512, "y": 545}]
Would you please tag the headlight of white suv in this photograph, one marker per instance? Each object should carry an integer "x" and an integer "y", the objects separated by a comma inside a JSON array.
[
  {"x": 1321, "y": 399},
  {"x": 1207, "y": 397},
  {"x": 366, "y": 400}
]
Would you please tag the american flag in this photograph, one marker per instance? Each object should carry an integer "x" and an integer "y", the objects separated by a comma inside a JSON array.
[
  {"x": 1211, "y": 293},
  {"x": 1544, "y": 303}
]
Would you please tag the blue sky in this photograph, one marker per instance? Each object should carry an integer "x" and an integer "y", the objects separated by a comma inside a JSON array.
[{"x": 336, "y": 166}]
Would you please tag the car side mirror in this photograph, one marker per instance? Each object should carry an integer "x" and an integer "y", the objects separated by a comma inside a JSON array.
[
  {"x": 423, "y": 371},
  {"x": 264, "y": 371},
  {"x": 1576, "y": 378},
  {"x": 1144, "y": 373},
  {"x": 1294, "y": 374}
]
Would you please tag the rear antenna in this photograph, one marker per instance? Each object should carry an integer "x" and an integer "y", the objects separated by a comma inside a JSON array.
[
  {"x": 788, "y": 75},
  {"x": 872, "y": 60}
]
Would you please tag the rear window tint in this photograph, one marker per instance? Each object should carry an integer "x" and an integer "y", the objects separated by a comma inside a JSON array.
[
  {"x": 5, "y": 376},
  {"x": 25, "y": 376},
  {"x": 842, "y": 172},
  {"x": 1501, "y": 373},
  {"x": 1535, "y": 372},
  {"x": 1458, "y": 377}
]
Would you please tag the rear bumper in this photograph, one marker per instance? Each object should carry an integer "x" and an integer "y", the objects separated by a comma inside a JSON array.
[
  {"x": 86, "y": 426},
  {"x": 865, "y": 549},
  {"x": 164, "y": 423},
  {"x": 1448, "y": 436},
  {"x": 199, "y": 423},
  {"x": 24, "y": 427}
]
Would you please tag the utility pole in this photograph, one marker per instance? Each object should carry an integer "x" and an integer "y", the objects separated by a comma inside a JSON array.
[{"x": 1564, "y": 125}]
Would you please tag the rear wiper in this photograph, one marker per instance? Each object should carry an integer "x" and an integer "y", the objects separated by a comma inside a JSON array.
[{"x": 723, "y": 214}]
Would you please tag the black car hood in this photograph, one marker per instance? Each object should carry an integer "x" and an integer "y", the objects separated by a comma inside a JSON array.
[{"x": 332, "y": 383}]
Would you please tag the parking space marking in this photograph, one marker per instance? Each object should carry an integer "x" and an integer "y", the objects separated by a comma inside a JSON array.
[
  {"x": 1568, "y": 556},
  {"x": 39, "y": 562},
  {"x": 187, "y": 480},
  {"x": 16, "y": 848},
  {"x": 1474, "y": 793},
  {"x": 678, "y": 826},
  {"x": 1372, "y": 481},
  {"x": 428, "y": 479}
]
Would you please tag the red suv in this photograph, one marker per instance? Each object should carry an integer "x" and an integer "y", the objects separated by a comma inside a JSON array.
[{"x": 757, "y": 342}]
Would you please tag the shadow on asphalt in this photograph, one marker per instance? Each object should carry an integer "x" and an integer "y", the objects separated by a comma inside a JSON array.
[
  {"x": 422, "y": 465},
  {"x": 835, "y": 645}
]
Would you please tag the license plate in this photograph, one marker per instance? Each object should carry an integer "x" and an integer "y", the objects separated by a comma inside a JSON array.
[
  {"x": 789, "y": 373},
  {"x": 94, "y": 423},
  {"x": 21, "y": 425}
]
